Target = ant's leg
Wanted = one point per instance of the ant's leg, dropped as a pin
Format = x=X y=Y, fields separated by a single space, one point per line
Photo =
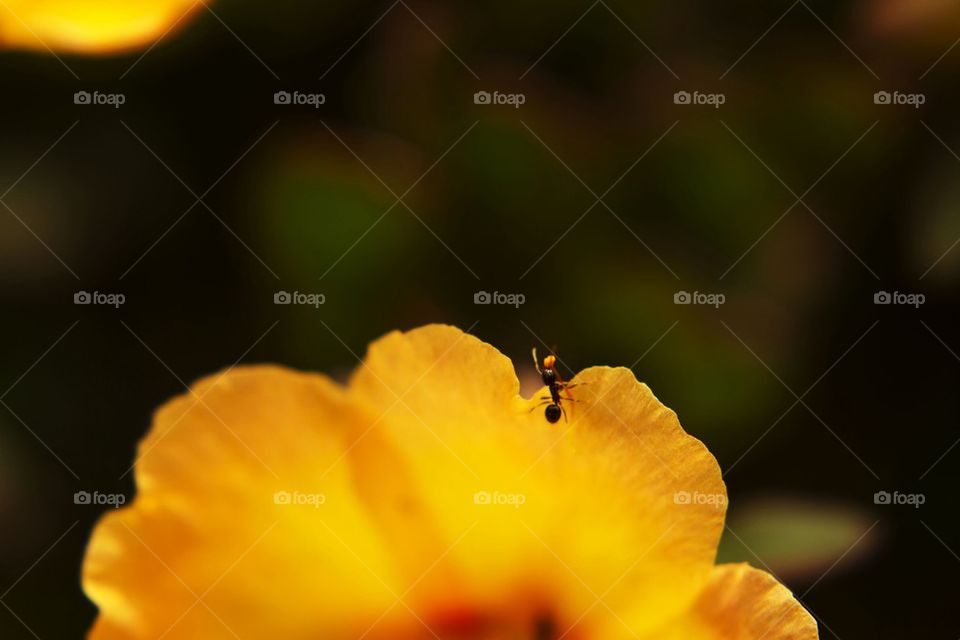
x=567 y=395
x=571 y=400
x=547 y=401
x=566 y=391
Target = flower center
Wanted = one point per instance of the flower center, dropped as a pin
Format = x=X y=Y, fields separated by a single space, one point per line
x=471 y=624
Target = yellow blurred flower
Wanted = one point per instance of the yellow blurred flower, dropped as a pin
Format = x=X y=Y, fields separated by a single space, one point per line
x=89 y=26
x=424 y=500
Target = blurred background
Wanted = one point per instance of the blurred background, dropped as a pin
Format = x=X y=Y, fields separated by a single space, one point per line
x=779 y=167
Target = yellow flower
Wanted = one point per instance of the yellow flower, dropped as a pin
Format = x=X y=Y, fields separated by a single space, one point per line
x=424 y=500
x=89 y=26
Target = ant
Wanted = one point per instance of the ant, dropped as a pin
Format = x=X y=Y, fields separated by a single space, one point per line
x=555 y=384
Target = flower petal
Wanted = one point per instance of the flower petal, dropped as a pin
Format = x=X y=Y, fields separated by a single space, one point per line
x=743 y=603
x=246 y=521
x=89 y=25
x=582 y=510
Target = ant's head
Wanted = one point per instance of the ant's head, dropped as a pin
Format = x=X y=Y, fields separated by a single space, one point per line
x=549 y=376
x=547 y=371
